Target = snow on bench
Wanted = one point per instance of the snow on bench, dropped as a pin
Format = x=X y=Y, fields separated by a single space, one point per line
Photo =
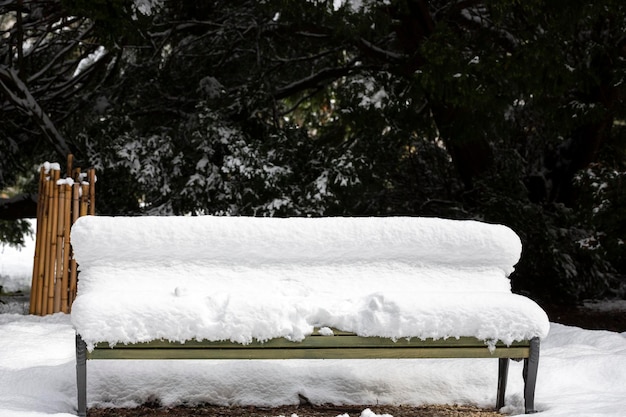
x=253 y=281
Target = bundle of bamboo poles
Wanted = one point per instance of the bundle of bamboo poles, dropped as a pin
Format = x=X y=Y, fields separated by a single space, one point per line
x=61 y=201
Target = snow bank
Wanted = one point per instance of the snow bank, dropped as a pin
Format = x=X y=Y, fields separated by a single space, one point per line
x=239 y=279
x=582 y=373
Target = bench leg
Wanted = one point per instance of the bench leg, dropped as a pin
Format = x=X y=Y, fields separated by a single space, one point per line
x=531 y=364
x=81 y=376
x=503 y=373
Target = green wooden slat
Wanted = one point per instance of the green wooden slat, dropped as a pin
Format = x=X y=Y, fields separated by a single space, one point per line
x=342 y=345
x=317 y=353
x=315 y=341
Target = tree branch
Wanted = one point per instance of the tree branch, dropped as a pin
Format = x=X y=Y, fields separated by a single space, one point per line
x=383 y=53
x=316 y=80
x=18 y=93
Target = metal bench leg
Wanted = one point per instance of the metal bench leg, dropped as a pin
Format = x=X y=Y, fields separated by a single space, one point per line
x=531 y=364
x=503 y=373
x=81 y=376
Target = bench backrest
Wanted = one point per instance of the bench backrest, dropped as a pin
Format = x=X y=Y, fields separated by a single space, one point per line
x=427 y=241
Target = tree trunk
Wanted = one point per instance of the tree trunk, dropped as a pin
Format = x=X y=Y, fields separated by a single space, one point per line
x=471 y=154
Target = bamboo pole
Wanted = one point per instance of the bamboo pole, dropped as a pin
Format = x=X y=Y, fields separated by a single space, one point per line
x=37 y=282
x=76 y=196
x=75 y=213
x=84 y=199
x=69 y=165
x=65 y=300
x=60 y=204
x=46 y=237
x=91 y=176
x=44 y=246
x=59 y=235
x=52 y=242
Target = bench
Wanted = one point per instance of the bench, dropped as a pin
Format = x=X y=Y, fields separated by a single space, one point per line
x=301 y=288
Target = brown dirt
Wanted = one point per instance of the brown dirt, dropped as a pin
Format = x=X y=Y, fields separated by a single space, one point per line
x=301 y=411
x=583 y=317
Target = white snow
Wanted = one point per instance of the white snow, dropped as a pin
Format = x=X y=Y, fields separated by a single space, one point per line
x=51 y=166
x=243 y=278
x=89 y=60
x=582 y=373
x=613 y=305
x=146 y=7
x=16 y=265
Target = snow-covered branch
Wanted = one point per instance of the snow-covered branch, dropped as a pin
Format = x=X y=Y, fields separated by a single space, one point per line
x=61 y=54
x=478 y=16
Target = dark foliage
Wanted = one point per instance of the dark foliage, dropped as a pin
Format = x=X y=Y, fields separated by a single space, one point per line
x=503 y=111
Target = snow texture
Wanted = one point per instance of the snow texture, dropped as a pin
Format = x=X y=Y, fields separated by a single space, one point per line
x=16 y=264
x=582 y=373
x=147 y=7
x=243 y=278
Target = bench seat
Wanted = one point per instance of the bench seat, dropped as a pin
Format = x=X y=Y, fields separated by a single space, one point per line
x=244 y=318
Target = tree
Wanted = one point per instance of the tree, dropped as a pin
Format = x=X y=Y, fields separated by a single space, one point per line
x=43 y=80
x=494 y=111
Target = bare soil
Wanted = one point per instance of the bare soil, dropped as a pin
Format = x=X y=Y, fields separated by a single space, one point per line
x=301 y=411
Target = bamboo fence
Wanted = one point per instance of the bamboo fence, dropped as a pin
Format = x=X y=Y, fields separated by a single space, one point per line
x=61 y=201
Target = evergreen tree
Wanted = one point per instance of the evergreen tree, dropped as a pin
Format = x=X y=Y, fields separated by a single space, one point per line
x=500 y=111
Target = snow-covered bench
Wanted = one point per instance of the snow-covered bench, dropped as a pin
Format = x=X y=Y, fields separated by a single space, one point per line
x=269 y=288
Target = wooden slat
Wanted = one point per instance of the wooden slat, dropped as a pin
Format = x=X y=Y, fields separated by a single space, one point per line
x=315 y=341
x=343 y=346
x=309 y=353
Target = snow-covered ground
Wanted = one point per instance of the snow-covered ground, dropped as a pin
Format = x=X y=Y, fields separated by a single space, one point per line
x=581 y=373
x=16 y=266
